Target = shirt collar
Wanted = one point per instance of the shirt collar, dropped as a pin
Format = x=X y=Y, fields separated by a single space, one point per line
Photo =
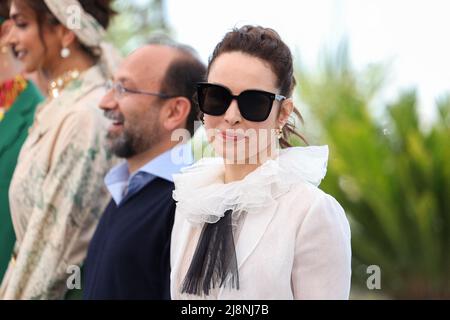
x=170 y=162
x=163 y=166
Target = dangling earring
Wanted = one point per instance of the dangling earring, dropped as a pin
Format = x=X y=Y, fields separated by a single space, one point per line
x=65 y=53
x=279 y=132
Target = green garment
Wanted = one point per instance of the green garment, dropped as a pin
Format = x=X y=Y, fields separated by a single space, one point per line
x=13 y=132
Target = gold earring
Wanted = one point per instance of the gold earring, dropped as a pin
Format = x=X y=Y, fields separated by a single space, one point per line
x=279 y=132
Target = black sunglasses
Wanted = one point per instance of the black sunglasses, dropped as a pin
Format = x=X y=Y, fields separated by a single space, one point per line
x=254 y=105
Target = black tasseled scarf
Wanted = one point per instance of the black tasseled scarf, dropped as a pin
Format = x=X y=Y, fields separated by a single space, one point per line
x=214 y=264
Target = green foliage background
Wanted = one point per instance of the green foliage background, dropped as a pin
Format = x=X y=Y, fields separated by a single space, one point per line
x=393 y=179
x=136 y=22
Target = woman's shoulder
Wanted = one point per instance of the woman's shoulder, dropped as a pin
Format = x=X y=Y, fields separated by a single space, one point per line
x=84 y=117
x=89 y=91
x=311 y=194
x=86 y=96
x=312 y=206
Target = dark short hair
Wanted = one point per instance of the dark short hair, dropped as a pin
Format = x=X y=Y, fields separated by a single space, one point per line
x=182 y=76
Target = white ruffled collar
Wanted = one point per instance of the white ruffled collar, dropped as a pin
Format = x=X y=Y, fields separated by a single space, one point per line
x=202 y=196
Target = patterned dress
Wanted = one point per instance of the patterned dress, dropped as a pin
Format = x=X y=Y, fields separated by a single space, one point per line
x=57 y=193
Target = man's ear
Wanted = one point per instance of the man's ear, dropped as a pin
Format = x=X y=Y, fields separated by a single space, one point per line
x=286 y=108
x=175 y=113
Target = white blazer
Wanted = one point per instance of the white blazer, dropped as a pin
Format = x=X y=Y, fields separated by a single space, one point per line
x=295 y=239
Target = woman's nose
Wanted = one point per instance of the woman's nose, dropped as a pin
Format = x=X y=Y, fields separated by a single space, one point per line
x=9 y=37
x=233 y=115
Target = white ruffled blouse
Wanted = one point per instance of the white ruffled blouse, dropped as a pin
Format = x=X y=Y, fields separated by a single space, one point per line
x=294 y=236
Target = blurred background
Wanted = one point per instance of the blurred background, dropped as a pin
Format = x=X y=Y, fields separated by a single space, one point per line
x=373 y=83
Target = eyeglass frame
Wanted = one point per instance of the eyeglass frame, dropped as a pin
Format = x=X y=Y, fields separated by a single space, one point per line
x=120 y=90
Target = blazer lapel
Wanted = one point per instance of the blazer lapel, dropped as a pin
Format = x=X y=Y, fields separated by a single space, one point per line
x=255 y=225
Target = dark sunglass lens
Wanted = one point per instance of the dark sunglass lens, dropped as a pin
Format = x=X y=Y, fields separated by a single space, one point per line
x=255 y=106
x=213 y=100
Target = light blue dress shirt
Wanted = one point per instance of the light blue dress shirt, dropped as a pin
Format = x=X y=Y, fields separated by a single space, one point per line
x=122 y=185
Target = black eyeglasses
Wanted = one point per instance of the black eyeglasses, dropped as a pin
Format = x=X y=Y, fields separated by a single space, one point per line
x=254 y=105
x=120 y=91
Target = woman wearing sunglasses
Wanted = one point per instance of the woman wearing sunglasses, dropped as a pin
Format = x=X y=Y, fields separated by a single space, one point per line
x=56 y=194
x=251 y=223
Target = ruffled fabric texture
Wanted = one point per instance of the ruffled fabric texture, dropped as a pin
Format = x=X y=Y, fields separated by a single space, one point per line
x=202 y=196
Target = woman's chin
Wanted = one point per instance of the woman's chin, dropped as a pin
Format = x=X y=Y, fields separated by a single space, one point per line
x=29 y=67
x=233 y=156
x=247 y=151
x=31 y=64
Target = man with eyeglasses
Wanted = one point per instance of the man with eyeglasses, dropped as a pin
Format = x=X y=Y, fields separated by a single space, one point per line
x=149 y=99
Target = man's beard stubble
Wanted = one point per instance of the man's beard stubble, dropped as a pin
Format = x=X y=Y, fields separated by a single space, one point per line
x=133 y=140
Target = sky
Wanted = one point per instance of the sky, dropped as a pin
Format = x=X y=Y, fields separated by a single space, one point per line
x=413 y=36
